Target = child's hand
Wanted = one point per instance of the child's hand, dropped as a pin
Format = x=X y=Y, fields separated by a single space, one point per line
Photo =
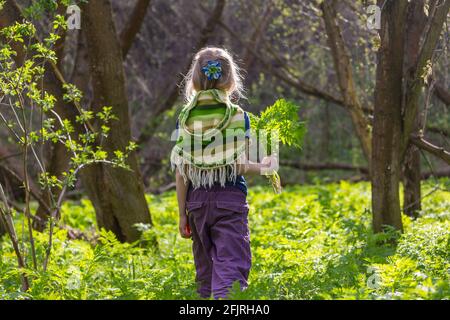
x=269 y=164
x=185 y=230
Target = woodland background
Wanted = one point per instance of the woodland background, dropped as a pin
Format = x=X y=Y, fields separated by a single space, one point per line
x=375 y=103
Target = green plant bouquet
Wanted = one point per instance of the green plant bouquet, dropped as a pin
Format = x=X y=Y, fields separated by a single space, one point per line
x=279 y=121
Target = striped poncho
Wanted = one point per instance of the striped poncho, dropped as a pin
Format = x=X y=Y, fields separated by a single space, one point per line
x=211 y=139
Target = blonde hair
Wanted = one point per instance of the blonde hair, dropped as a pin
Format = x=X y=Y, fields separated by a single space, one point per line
x=230 y=81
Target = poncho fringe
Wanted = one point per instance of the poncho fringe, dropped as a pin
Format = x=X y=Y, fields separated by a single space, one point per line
x=204 y=177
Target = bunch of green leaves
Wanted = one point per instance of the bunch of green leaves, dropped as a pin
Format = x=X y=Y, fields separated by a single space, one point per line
x=281 y=122
x=283 y=118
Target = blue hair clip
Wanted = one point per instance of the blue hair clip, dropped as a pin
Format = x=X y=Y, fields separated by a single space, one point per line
x=213 y=70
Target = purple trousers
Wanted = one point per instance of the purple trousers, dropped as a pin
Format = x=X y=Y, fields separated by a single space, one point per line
x=221 y=241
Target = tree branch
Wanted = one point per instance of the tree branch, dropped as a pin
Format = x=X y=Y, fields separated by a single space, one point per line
x=299 y=84
x=34 y=191
x=323 y=166
x=437 y=174
x=443 y=131
x=133 y=26
x=439 y=152
x=344 y=72
x=430 y=37
x=442 y=94
x=431 y=34
x=258 y=34
x=349 y=167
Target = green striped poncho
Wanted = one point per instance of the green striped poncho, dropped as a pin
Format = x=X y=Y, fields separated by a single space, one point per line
x=211 y=139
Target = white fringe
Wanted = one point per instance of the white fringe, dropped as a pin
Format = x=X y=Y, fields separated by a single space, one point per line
x=200 y=177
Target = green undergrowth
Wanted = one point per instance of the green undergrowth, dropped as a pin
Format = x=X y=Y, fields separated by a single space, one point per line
x=310 y=242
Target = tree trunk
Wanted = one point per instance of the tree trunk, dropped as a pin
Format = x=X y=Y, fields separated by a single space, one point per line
x=407 y=46
x=2 y=228
x=438 y=152
x=414 y=77
x=416 y=21
x=387 y=122
x=411 y=182
x=117 y=194
x=59 y=156
x=344 y=72
x=133 y=26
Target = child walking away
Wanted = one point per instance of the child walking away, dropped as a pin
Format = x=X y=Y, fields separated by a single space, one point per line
x=211 y=157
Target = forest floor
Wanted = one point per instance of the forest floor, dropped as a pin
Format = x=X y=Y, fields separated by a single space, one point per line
x=310 y=242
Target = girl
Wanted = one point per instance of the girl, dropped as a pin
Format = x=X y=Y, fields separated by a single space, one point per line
x=211 y=156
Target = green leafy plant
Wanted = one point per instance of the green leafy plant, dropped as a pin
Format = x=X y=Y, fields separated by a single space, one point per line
x=310 y=242
x=279 y=121
x=283 y=118
x=28 y=113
